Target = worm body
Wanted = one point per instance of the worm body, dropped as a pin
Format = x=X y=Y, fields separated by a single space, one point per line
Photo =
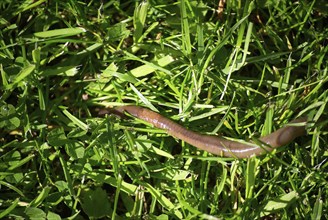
x=214 y=144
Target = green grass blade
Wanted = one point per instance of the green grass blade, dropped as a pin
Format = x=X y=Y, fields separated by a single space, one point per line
x=60 y=32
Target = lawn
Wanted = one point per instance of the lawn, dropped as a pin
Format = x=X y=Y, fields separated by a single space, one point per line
x=239 y=69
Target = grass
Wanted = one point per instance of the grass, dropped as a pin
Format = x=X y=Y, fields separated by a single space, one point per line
x=242 y=74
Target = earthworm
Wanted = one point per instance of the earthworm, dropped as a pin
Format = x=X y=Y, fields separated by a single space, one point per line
x=215 y=144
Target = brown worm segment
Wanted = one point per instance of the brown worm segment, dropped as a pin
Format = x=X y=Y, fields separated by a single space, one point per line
x=214 y=144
